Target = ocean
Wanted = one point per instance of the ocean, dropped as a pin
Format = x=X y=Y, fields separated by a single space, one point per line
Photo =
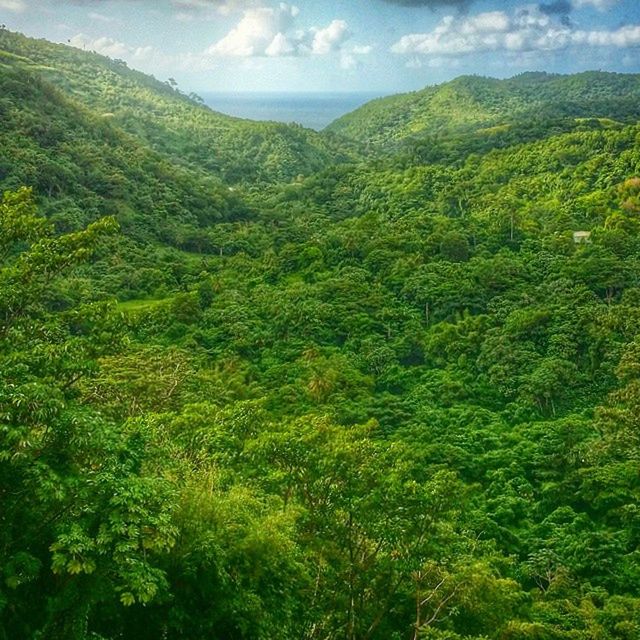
x=312 y=110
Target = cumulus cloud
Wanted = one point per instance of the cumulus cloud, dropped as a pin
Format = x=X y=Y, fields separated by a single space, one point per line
x=351 y=59
x=432 y=63
x=628 y=36
x=260 y=30
x=280 y=46
x=526 y=29
x=348 y=62
x=13 y=5
x=331 y=38
x=272 y=32
x=146 y=57
x=103 y=45
x=485 y=31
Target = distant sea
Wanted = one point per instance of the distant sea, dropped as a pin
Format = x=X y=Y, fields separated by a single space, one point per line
x=313 y=110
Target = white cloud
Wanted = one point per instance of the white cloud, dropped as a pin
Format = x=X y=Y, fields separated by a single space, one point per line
x=433 y=63
x=458 y=36
x=350 y=59
x=623 y=37
x=272 y=32
x=489 y=22
x=105 y=46
x=146 y=58
x=602 y=5
x=330 y=38
x=99 y=17
x=116 y=49
x=281 y=46
x=260 y=30
x=348 y=62
x=526 y=29
x=13 y=5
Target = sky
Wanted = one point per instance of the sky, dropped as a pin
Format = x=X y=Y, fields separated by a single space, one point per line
x=381 y=46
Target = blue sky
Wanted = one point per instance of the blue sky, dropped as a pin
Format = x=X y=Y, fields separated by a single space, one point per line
x=344 y=45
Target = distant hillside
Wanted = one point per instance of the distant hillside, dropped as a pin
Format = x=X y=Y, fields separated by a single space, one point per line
x=487 y=106
x=84 y=167
x=239 y=151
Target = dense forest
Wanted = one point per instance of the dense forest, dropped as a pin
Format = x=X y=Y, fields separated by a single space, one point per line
x=261 y=383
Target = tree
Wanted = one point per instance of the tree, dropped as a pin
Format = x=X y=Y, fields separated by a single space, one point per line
x=80 y=520
x=366 y=532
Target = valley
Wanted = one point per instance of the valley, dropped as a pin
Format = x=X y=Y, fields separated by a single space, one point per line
x=268 y=383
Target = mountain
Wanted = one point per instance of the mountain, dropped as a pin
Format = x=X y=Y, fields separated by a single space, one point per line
x=83 y=166
x=472 y=105
x=157 y=114
x=93 y=138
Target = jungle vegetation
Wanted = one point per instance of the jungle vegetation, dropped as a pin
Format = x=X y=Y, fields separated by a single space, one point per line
x=364 y=384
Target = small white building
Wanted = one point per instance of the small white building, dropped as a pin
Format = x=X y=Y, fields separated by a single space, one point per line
x=581 y=237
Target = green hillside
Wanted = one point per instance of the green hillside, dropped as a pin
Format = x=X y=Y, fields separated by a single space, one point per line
x=81 y=167
x=396 y=399
x=238 y=151
x=483 y=105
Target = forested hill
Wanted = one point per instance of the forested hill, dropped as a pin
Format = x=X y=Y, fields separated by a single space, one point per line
x=158 y=114
x=487 y=106
x=82 y=167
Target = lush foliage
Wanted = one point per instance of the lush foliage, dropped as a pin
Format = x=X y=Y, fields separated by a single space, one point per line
x=487 y=107
x=396 y=399
x=159 y=115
